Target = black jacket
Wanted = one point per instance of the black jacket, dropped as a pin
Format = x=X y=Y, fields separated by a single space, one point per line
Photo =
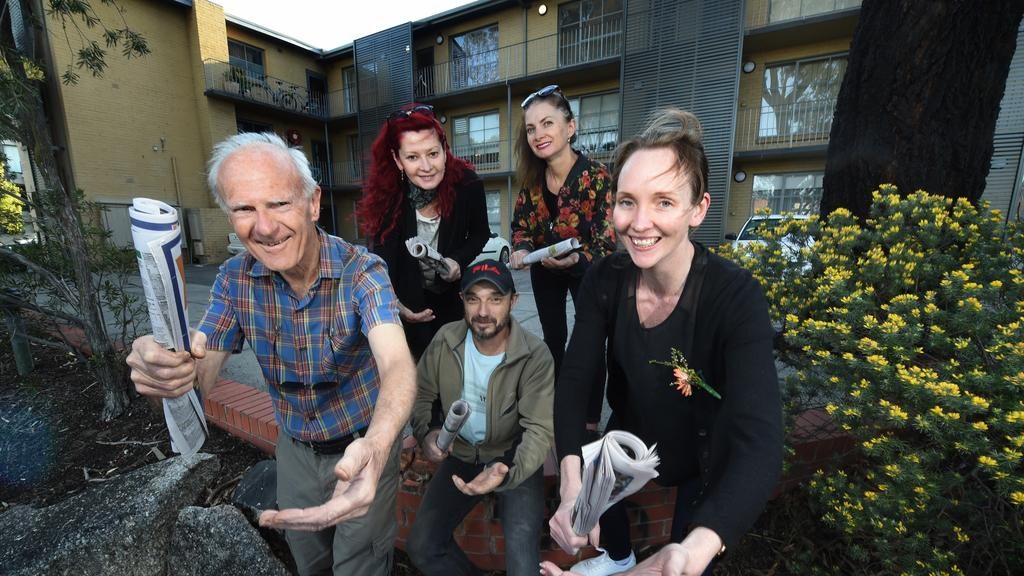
x=461 y=236
x=735 y=444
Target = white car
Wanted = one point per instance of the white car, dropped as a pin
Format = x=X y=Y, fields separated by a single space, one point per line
x=755 y=227
x=497 y=248
x=234 y=244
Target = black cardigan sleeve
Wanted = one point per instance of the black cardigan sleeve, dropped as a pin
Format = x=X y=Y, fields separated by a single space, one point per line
x=468 y=241
x=746 y=435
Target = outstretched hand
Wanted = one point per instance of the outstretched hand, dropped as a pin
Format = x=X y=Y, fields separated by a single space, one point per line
x=358 y=473
x=486 y=481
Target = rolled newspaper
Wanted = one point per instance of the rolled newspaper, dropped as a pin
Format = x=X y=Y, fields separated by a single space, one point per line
x=422 y=251
x=555 y=251
x=617 y=465
x=156 y=236
x=458 y=414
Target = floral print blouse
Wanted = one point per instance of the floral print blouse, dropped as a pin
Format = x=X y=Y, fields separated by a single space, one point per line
x=584 y=212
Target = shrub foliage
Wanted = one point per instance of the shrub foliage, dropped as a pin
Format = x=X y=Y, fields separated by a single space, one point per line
x=909 y=328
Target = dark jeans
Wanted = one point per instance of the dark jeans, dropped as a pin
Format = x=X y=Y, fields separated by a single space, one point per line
x=550 y=288
x=615 y=523
x=432 y=547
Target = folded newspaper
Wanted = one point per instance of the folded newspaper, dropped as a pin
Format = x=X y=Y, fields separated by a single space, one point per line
x=156 y=235
x=422 y=251
x=617 y=465
x=554 y=251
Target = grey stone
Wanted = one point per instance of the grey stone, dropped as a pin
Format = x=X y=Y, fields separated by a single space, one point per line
x=219 y=541
x=257 y=490
x=120 y=527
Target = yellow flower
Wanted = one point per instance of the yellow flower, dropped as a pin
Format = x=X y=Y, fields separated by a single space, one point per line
x=1017 y=498
x=981 y=426
x=987 y=461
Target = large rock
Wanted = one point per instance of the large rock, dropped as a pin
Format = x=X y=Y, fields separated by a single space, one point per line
x=219 y=542
x=121 y=527
x=257 y=491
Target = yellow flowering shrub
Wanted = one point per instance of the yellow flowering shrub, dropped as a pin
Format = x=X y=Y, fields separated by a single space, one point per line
x=909 y=329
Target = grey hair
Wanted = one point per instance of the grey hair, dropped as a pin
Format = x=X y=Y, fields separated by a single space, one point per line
x=233 y=144
x=676 y=130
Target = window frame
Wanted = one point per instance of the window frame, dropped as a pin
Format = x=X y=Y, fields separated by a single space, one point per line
x=795 y=112
x=604 y=148
x=777 y=204
x=463 y=66
x=257 y=72
x=484 y=155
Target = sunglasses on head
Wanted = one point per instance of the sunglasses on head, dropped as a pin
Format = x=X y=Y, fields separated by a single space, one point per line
x=406 y=112
x=543 y=92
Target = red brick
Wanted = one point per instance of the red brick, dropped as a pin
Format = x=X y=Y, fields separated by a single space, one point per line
x=474 y=545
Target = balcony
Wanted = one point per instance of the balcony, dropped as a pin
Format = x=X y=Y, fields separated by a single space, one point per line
x=340 y=173
x=762 y=13
x=237 y=84
x=342 y=102
x=795 y=125
x=486 y=157
x=521 y=60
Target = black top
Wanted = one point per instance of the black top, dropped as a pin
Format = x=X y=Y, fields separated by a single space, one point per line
x=721 y=326
x=461 y=236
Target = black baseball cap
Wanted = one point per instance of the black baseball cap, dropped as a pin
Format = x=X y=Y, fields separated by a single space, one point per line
x=491 y=271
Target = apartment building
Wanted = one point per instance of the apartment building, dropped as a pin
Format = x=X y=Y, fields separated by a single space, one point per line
x=763 y=76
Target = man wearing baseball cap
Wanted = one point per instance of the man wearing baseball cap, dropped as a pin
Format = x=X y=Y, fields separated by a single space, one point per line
x=507 y=377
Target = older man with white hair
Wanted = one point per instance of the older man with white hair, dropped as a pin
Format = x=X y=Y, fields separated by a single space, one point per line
x=322 y=318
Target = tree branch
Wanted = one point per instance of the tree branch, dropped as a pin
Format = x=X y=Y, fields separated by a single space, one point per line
x=8 y=299
x=48 y=276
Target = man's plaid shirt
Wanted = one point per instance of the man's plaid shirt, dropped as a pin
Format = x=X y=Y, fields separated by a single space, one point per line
x=313 y=351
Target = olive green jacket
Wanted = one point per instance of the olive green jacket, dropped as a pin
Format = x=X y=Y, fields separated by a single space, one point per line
x=520 y=399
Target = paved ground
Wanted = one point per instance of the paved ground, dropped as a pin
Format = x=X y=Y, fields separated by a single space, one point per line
x=243 y=368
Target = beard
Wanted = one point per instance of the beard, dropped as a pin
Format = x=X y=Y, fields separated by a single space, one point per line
x=486 y=330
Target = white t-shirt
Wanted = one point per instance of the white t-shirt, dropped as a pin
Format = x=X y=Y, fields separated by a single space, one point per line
x=476 y=376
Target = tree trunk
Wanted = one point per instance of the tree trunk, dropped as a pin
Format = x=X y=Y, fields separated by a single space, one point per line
x=919 y=102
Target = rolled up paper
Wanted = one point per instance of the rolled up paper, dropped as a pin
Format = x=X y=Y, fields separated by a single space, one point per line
x=554 y=251
x=422 y=251
x=458 y=414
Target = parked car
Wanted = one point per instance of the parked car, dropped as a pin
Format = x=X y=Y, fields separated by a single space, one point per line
x=234 y=244
x=756 y=226
x=497 y=248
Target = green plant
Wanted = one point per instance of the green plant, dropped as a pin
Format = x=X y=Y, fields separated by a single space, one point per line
x=909 y=327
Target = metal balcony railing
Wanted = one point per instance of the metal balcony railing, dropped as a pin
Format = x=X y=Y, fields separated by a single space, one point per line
x=342 y=102
x=521 y=59
x=784 y=126
x=266 y=90
x=340 y=173
x=598 y=144
x=767 y=12
x=487 y=157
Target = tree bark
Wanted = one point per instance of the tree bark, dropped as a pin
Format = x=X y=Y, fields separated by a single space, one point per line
x=920 y=99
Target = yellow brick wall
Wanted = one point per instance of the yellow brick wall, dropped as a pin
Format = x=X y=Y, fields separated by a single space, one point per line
x=282 y=61
x=134 y=131
x=215 y=234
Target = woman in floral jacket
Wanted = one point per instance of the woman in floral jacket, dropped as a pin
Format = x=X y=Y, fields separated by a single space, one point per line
x=563 y=195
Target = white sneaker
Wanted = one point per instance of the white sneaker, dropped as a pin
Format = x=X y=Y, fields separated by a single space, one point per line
x=603 y=565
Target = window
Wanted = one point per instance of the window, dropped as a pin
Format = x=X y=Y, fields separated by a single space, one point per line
x=796 y=193
x=597 y=124
x=12 y=159
x=478 y=139
x=494 y=210
x=354 y=166
x=780 y=10
x=244 y=125
x=248 y=58
x=798 y=98
x=348 y=82
x=589 y=30
x=474 y=57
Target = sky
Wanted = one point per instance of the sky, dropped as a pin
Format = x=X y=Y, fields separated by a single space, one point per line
x=331 y=23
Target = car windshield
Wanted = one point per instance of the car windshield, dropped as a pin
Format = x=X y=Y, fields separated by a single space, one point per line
x=755 y=229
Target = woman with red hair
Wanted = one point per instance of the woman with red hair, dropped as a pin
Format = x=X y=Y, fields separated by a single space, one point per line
x=418 y=189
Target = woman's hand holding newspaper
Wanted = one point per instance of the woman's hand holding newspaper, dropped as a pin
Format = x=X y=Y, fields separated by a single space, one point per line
x=561 y=522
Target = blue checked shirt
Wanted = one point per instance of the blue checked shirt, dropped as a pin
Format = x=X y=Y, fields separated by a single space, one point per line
x=313 y=351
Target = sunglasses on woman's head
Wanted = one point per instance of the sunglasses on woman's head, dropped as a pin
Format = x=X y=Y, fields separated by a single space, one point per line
x=543 y=92
x=406 y=112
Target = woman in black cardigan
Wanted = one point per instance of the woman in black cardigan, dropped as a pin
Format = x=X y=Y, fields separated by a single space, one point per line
x=689 y=350
x=418 y=189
